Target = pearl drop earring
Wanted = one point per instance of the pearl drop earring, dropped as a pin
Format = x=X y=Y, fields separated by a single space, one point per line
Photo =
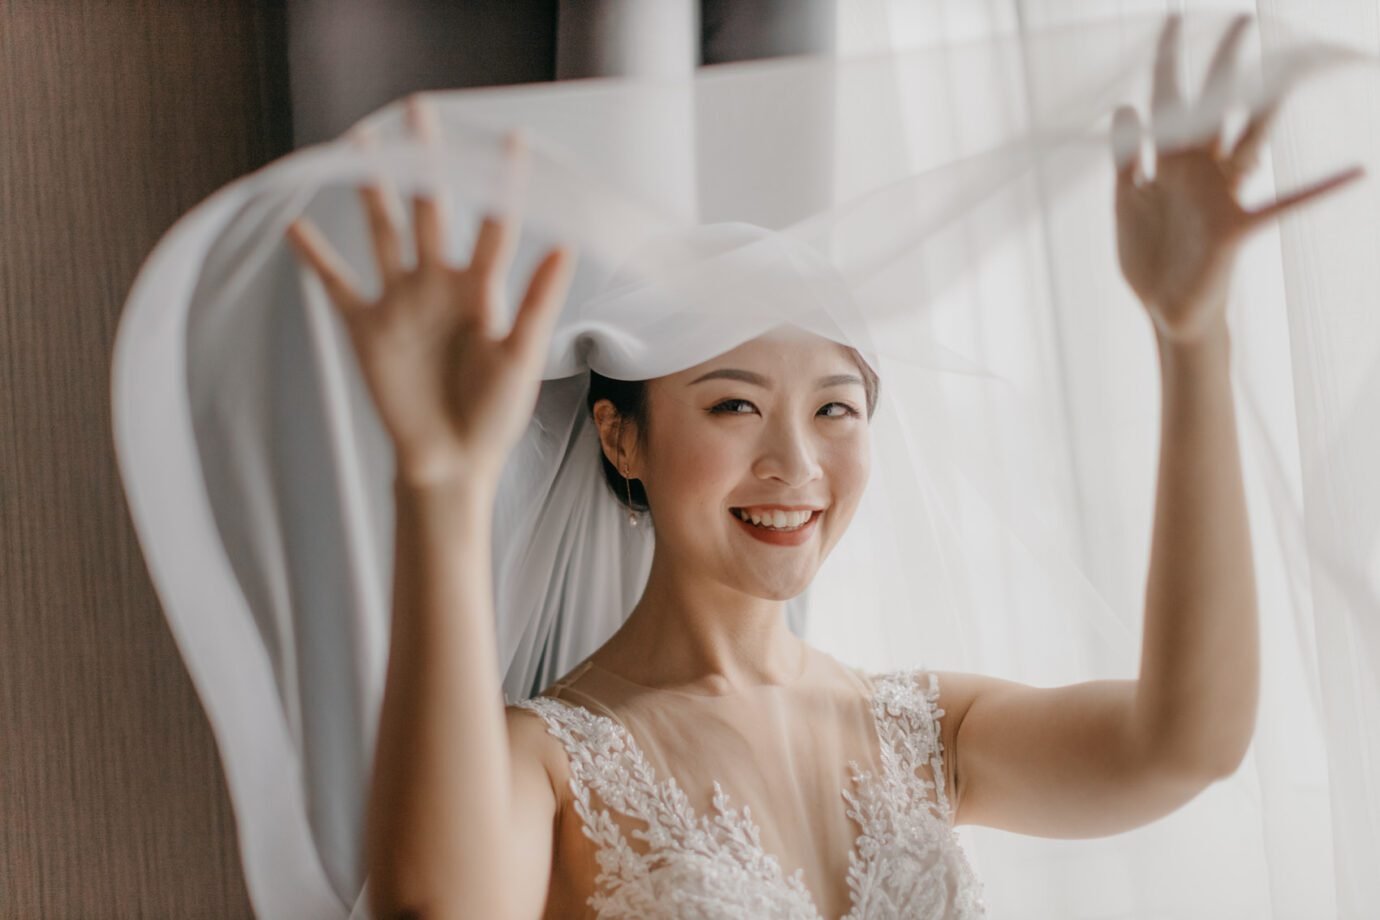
x=632 y=517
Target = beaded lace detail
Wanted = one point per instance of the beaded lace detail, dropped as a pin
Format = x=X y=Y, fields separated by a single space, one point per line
x=906 y=860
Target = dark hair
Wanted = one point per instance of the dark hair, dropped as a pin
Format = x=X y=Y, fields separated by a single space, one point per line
x=629 y=398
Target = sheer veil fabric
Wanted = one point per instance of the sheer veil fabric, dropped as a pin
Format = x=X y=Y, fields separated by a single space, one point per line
x=942 y=202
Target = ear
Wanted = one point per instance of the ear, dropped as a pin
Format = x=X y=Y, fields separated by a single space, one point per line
x=620 y=447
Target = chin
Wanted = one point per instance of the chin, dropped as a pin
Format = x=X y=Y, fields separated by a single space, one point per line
x=774 y=579
x=779 y=590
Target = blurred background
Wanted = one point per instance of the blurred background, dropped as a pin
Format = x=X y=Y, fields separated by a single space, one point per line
x=118 y=117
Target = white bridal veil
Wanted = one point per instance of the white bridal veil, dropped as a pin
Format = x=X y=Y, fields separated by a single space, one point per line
x=941 y=201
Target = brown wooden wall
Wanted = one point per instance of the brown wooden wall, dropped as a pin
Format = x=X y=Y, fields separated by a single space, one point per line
x=116 y=116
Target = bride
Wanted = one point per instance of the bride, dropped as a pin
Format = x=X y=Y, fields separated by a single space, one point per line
x=704 y=761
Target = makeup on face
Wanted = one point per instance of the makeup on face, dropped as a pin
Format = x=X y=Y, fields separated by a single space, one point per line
x=778 y=525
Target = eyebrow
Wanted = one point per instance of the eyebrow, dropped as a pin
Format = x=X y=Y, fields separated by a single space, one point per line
x=731 y=373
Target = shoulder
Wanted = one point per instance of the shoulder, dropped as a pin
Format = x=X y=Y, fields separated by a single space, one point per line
x=945 y=697
x=950 y=693
x=956 y=693
x=533 y=748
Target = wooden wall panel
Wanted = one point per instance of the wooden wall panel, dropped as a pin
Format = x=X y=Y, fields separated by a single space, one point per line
x=115 y=118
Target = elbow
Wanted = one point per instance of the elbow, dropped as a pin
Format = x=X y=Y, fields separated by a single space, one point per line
x=386 y=903
x=406 y=913
x=1201 y=749
x=389 y=900
x=1208 y=767
x=399 y=885
x=386 y=907
x=1225 y=767
x=1192 y=766
x=393 y=897
x=1225 y=758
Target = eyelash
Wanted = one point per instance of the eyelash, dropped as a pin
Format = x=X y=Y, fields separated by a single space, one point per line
x=719 y=409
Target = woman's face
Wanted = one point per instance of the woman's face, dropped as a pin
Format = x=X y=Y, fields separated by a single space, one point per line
x=778 y=424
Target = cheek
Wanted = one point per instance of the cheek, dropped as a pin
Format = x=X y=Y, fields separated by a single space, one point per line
x=703 y=465
x=694 y=468
x=848 y=466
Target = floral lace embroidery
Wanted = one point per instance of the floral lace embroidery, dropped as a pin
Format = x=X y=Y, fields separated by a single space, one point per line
x=905 y=861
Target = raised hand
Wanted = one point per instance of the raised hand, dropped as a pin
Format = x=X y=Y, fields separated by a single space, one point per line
x=1177 y=234
x=453 y=397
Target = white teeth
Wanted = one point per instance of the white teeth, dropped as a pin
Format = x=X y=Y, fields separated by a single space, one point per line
x=775 y=519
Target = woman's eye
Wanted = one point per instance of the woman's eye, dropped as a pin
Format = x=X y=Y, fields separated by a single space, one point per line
x=733 y=407
x=848 y=411
x=722 y=408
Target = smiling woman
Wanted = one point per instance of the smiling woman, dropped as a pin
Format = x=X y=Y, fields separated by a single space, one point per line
x=776 y=423
x=683 y=736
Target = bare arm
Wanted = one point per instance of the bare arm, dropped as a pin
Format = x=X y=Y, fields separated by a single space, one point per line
x=459 y=824
x=1200 y=659
x=1101 y=757
x=461 y=803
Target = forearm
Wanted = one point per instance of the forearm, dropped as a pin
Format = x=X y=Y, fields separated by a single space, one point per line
x=1199 y=682
x=439 y=794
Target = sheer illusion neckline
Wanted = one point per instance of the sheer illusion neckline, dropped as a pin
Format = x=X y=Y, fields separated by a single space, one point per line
x=791 y=682
x=904 y=859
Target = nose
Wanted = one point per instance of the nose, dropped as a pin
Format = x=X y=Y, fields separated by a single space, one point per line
x=788 y=453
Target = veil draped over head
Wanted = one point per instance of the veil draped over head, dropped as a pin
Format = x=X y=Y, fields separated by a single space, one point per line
x=946 y=209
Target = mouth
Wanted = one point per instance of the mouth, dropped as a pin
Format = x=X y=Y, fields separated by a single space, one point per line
x=793 y=530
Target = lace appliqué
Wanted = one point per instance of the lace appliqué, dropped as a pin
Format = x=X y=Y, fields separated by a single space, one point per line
x=706 y=867
x=905 y=861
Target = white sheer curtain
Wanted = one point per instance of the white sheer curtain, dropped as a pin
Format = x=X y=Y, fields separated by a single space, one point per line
x=1296 y=833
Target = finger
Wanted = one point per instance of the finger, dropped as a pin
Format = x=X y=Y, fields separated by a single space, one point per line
x=426 y=210
x=335 y=275
x=1245 y=153
x=1280 y=80
x=1166 y=99
x=1127 y=136
x=378 y=200
x=542 y=303
x=1305 y=195
x=498 y=236
x=1217 y=86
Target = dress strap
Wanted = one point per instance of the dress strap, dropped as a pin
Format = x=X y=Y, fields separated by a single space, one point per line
x=590 y=733
x=907 y=717
x=558 y=688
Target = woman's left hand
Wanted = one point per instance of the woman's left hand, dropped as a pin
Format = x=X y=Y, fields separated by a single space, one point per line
x=1177 y=234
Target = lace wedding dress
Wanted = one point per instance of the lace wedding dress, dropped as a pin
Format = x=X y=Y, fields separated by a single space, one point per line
x=824 y=796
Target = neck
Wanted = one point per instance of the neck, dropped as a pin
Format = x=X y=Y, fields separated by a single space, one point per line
x=692 y=631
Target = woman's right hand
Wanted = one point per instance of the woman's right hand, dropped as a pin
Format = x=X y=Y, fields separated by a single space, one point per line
x=453 y=397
